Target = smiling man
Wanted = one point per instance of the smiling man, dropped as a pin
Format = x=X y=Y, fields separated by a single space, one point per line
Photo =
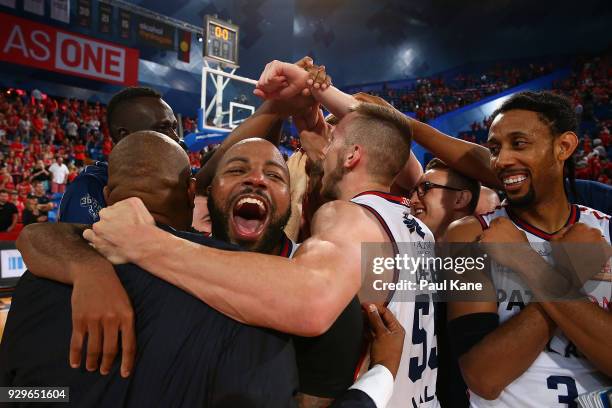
x=545 y=353
x=442 y=196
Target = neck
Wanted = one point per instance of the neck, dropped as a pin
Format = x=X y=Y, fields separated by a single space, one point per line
x=351 y=185
x=440 y=232
x=176 y=222
x=548 y=214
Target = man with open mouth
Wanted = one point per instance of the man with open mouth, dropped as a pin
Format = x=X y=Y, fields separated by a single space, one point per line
x=303 y=295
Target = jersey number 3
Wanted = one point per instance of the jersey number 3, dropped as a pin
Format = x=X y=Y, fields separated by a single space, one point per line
x=553 y=382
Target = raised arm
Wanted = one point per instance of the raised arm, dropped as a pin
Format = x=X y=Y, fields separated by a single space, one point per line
x=468 y=158
x=265 y=123
x=261 y=124
x=303 y=295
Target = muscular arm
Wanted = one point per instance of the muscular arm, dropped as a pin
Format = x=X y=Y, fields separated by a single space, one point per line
x=588 y=326
x=410 y=174
x=57 y=251
x=498 y=359
x=303 y=295
x=583 y=322
x=467 y=158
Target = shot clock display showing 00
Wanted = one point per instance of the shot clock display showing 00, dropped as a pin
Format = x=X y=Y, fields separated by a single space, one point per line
x=221 y=41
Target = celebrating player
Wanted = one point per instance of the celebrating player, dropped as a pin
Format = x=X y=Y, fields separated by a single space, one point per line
x=305 y=294
x=544 y=353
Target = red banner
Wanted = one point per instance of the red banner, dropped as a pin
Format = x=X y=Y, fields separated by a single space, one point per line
x=41 y=46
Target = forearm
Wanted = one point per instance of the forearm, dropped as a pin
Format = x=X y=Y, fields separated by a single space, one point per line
x=265 y=123
x=468 y=158
x=507 y=352
x=588 y=326
x=275 y=292
x=55 y=251
x=410 y=174
x=335 y=101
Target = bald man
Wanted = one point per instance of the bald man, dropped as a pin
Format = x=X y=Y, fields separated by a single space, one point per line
x=201 y=359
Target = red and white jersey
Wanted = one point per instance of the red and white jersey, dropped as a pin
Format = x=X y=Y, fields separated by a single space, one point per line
x=415 y=383
x=560 y=373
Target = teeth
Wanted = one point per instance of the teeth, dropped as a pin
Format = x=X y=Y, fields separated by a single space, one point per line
x=514 y=180
x=418 y=211
x=251 y=200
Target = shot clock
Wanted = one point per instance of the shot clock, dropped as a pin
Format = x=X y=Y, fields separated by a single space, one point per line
x=221 y=41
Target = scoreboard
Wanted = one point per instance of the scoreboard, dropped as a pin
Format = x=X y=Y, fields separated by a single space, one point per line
x=221 y=41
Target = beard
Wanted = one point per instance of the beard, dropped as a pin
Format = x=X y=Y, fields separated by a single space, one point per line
x=525 y=200
x=267 y=242
x=329 y=185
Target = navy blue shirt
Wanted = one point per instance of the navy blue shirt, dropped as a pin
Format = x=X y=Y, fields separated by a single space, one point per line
x=593 y=194
x=84 y=197
x=188 y=354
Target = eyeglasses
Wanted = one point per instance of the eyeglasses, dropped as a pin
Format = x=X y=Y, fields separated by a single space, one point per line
x=425 y=186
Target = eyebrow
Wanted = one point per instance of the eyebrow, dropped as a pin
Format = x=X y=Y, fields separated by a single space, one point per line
x=517 y=133
x=238 y=158
x=273 y=163
x=267 y=163
x=165 y=122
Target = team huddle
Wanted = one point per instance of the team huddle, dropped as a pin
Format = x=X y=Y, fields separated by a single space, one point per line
x=245 y=286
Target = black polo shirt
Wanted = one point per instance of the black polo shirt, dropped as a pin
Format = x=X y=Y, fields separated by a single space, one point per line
x=188 y=354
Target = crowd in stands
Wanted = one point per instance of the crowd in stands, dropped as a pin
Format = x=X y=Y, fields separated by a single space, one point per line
x=44 y=143
x=431 y=97
x=589 y=88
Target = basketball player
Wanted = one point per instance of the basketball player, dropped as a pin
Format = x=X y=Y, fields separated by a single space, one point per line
x=517 y=353
x=305 y=294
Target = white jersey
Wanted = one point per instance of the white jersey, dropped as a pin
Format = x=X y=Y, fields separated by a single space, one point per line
x=560 y=373
x=415 y=383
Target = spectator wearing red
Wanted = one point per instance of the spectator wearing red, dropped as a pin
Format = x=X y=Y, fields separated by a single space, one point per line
x=107 y=146
x=5 y=178
x=24 y=188
x=17 y=146
x=73 y=173
x=38 y=124
x=79 y=153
